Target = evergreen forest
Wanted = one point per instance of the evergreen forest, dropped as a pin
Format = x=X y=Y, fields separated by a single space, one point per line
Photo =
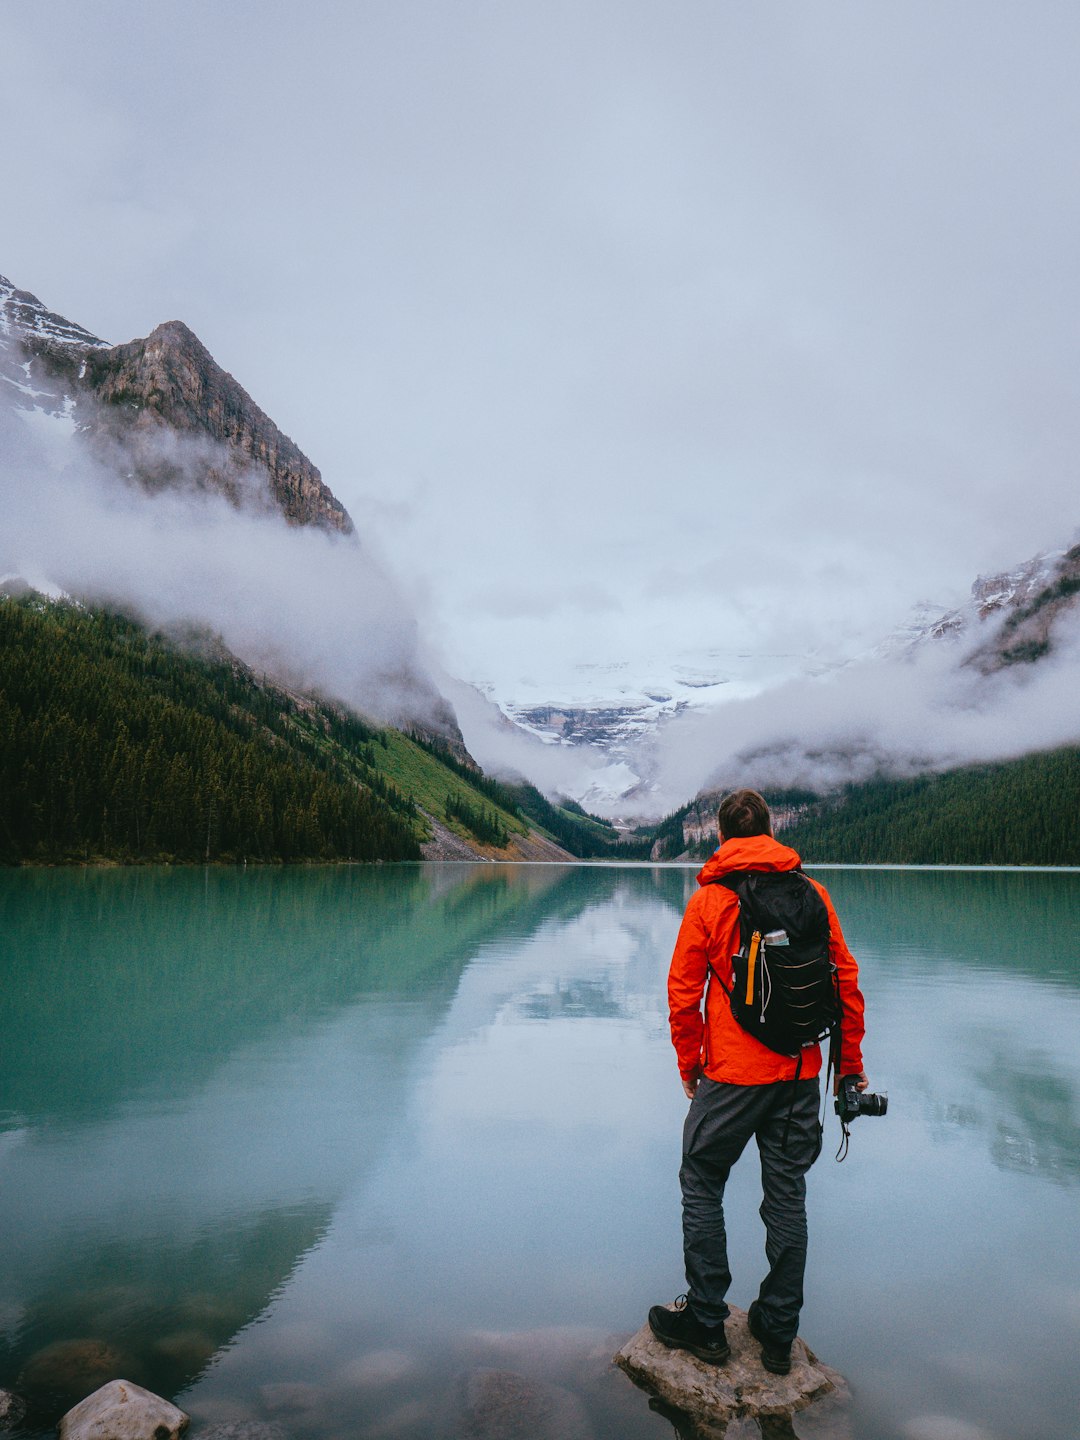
x=1017 y=812
x=113 y=744
x=117 y=744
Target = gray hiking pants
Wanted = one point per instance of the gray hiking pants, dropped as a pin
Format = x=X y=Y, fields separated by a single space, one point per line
x=722 y=1119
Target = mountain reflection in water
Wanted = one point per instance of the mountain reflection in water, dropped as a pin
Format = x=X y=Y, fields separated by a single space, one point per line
x=317 y=1145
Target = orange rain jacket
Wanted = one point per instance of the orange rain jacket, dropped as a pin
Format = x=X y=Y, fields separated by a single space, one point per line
x=708 y=937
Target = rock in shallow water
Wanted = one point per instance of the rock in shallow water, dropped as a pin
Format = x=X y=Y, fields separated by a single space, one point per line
x=122 y=1411
x=71 y=1367
x=712 y=1397
x=377 y=1370
x=241 y=1430
x=290 y=1397
x=501 y=1405
x=12 y=1410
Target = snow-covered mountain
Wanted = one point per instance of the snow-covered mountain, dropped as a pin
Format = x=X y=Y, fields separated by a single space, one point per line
x=1010 y=618
x=612 y=714
x=42 y=365
x=24 y=317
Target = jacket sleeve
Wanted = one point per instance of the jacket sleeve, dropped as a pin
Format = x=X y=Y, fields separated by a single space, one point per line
x=852 y=1024
x=686 y=986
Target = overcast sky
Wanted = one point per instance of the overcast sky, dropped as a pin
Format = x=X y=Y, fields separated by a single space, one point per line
x=633 y=331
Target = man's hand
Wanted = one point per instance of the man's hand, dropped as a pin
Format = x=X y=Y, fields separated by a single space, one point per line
x=690 y=1086
x=861 y=1083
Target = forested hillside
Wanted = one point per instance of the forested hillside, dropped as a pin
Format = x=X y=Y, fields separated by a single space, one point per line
x=116 y=744
x=1020 y=812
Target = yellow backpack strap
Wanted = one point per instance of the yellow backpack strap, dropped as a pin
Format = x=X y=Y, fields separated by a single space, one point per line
x=751 y=962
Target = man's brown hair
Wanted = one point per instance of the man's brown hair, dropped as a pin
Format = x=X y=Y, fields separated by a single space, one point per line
x=742 y=813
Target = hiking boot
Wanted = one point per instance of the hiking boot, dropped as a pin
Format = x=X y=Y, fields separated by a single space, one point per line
x=680 y=1329
x=775 y=1354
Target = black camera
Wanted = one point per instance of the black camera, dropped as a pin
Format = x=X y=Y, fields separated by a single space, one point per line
x=851 y=1101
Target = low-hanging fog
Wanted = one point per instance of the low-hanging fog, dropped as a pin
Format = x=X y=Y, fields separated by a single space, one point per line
x=926 y=710
x=314 y=609
x=323 y=612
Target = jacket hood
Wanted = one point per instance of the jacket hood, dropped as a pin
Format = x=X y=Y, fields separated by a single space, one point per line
x=750 y=852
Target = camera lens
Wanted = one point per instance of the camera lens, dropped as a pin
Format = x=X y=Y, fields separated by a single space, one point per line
x=871 y=1104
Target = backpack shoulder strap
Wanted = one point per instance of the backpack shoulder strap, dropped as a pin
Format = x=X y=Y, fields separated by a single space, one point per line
x=734 y=878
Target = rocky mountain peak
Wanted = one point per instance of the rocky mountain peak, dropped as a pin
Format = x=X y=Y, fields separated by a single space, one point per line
x=160 y=411
x=170 y=384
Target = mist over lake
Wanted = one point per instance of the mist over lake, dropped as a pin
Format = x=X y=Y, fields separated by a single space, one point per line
x=363 y=1132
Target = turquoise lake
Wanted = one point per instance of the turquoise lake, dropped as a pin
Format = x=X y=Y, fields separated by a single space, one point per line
x=317 y=1145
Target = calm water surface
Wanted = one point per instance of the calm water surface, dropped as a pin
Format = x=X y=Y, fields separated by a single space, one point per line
x=317 y=1145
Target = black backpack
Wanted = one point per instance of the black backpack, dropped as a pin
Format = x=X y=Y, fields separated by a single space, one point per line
x=784 y=989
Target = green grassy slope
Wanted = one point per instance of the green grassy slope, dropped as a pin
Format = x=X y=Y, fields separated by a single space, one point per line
x=418 y=770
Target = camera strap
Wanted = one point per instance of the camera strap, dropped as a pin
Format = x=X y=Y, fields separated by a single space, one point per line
x=842 y=1148
x=833 y=1068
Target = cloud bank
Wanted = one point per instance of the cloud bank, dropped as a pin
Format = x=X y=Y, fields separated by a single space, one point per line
x=620 y=291
x=322 y=612
x=313 y=609
x=925 y=710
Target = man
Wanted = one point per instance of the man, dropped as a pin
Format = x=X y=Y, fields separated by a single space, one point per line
x=739 y=1088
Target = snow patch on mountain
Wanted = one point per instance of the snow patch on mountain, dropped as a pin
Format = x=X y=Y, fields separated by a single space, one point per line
x=23 y=314
x=991 y=596
x=609 y=714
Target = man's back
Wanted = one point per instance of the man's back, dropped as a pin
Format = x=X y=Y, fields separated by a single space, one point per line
x=708 y=938
x=740 y=1089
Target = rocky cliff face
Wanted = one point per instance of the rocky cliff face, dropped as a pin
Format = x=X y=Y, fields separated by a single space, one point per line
x=160 y=411
x=158 y=393
x=1018 y=614
x=1033 y=614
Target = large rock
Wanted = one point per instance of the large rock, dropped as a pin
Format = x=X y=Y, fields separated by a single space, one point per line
x=716 y=1400
x=123 y=1411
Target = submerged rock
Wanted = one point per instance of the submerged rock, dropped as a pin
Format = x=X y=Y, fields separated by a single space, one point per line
x=12 y=1410
x=241 y=1430
x=501 y=1405
x=377 y=1370
x=71 y=1367
x=713 y=1401
x=123 y=1411
x=290 y=1397
x=189 y=1348
x=561 y=1353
